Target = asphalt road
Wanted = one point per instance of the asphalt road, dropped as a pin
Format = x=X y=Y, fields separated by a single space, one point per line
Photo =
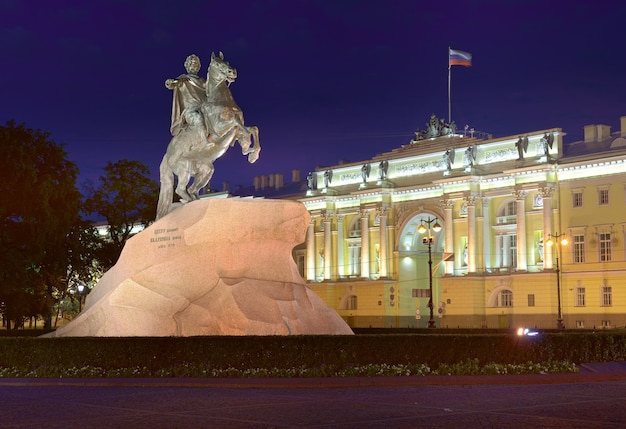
x=591 y=399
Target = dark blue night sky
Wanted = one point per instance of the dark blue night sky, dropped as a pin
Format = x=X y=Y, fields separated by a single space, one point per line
x=323 y=80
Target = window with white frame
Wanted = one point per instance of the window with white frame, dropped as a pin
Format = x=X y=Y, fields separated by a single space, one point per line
x=603 y=196
x=606 y=324
x=607 y=296
x=354 y=260
x=507 y=250
x=577 y=198
x=513 y=250
x=604 y=241
x=580 y=324
x=505 y=298
x=580 y=297
x=507 y=213
x=579 y=248
x=511 y=209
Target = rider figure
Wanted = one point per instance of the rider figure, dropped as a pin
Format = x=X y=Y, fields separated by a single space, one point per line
x=189 y=93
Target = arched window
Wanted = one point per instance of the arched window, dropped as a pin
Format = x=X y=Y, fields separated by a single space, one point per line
x=504 y=298
x=348 y=302
x=508 y=209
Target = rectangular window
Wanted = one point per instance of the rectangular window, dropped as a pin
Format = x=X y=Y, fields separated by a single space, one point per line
x=603 y=197
x=577 y=198
x=606 y=324
x=531 y=300
x=580 y=297
x=506 y=298
x=580 y=324
x=579 y=248
x=421 y=293
x=352 y=303
x=607 y=296
x=513 y=250
x=605 y=246
x=354 y=260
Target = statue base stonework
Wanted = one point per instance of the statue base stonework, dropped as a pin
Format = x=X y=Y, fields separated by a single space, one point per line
x=211 y=267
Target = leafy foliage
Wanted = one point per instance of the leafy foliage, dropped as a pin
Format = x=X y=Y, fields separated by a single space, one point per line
x=307 y=356
x=39 y=205
x=126 y=197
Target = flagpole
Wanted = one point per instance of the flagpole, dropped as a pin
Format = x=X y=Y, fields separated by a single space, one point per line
x=449 y=106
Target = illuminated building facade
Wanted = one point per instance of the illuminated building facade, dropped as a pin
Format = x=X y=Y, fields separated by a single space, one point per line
x=498 y=202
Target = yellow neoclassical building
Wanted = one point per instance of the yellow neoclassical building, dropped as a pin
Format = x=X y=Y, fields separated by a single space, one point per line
x=472 y=217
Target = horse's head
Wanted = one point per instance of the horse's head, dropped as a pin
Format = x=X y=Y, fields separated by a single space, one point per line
x=220 y=70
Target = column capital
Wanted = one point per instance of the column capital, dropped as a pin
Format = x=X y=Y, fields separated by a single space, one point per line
x=446 y=203
x=470 y=200
x=546 y=191
x=520 y=194
x=327 y=215
x=364 y=212
x=383 y=210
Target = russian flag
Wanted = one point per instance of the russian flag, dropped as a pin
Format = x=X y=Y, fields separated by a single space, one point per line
x=460 y=58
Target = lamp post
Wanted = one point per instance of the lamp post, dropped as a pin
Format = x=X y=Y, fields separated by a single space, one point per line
x=558 y=240
x=81 y=288
x=428 y=240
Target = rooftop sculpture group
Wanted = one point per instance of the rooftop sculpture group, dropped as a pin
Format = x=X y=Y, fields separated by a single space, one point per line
x=435 y=127
x=206 y=121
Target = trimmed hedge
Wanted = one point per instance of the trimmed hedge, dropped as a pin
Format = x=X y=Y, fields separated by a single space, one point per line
x=432 y=349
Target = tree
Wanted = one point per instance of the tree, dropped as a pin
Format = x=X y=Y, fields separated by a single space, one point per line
x=83 y=249
x=39 y=206
x=126 y=198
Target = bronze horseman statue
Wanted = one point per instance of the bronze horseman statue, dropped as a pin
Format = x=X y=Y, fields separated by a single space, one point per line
x=206 y=121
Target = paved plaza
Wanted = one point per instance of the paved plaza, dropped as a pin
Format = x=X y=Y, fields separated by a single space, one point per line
x=590 y=399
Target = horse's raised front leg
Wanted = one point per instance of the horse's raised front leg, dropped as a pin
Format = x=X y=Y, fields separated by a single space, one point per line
x=253 y=154
x=248 y=138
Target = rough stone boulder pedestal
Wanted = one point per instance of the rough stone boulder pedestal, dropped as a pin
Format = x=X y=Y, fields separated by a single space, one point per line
x=210 y=267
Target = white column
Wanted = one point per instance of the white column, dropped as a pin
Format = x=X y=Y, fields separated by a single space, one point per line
x=383 y=243
x=470 y=201
x=546 y=194
x=365 y=244
x=328 y=242
x=448 y=245
x=341 y=269
x=310 y=251
x=521 y=230
x=486 y=235
x=499 y=247
x=506 y=248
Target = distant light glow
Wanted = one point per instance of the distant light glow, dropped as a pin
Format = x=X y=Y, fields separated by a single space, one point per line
x=525 y=332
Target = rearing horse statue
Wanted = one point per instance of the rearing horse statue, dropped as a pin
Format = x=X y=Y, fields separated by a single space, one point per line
x=211 y=127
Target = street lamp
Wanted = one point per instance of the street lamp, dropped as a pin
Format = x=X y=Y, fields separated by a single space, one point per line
x=559 y=240
x=428 y=240
x=81 y=288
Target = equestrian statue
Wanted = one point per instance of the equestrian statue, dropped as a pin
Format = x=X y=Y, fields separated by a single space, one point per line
x=206 y=121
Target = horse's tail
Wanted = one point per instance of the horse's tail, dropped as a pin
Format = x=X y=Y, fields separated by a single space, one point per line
x=166 y=194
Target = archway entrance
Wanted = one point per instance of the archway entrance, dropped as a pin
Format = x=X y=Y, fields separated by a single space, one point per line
x=414 y=279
